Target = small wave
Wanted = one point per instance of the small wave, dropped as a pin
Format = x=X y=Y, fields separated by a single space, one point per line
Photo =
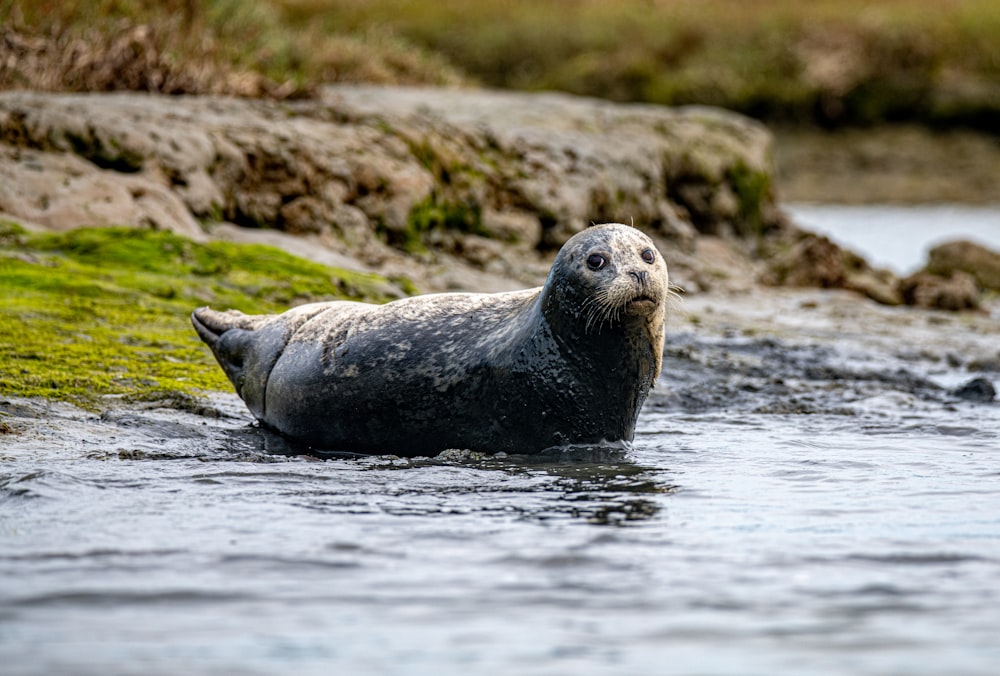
x=88 y=555
x=284 y=563
x=117 y=598
x=36 y=484
x=929 y=559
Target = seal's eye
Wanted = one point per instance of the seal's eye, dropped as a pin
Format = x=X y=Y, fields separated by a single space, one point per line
x=648 y=256
x=596 y=261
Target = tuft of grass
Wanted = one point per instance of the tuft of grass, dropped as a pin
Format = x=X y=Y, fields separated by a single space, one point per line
x=101 y=312
x=752 y=189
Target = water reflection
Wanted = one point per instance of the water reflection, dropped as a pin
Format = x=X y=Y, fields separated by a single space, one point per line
x=599 y=485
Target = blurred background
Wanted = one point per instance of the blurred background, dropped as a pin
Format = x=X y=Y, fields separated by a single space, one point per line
x=891 y=102
x=823 y=63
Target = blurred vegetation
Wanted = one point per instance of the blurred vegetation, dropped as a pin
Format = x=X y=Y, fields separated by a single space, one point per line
x=104 y=311
x=232 y=47
x=832 y=62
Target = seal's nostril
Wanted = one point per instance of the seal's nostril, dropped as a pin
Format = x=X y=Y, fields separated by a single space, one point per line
x=640 y=277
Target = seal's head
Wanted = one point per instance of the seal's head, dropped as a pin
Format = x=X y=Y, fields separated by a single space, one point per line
x=606 y=277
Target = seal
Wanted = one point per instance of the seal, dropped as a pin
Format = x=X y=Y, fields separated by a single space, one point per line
x=566 y=364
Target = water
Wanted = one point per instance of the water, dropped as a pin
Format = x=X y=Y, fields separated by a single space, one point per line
x=899 y=237
x=790 y=506
x=807 y=495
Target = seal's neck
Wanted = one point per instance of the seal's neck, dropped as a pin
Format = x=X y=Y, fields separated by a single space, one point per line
x=567 y=319
x=615 y=364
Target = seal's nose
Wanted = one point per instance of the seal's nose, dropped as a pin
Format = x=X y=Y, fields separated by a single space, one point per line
x=641 y=278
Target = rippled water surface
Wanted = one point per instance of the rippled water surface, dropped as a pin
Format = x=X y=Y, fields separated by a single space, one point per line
x=787 y=508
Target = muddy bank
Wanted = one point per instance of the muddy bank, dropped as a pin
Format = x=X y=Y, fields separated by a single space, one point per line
x=821 y=352
x=459 y=189
x=453 y=189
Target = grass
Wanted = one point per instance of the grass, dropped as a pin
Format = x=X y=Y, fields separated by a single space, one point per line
x=827 y=61
x=226 y=47
x=101 y=312
x=832 y=62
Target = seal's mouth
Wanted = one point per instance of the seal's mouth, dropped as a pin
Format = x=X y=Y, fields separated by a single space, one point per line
x=641 y=303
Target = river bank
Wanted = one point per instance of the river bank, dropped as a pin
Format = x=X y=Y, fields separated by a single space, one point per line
x=388 y=191
x=795 y=351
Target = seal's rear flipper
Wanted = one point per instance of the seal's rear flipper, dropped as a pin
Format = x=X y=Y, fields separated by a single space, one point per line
x=205 y=321
x=247 y=347
x=229 y=335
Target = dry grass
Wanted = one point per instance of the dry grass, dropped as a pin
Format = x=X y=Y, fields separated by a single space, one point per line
x=827 y=61
x=831 y=61
x=127 y=57
x=195 y=47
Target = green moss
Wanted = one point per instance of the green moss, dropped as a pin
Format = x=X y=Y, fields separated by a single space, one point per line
x=424 y=153
x=434 y=214
x=752 y=189
x=104 y=311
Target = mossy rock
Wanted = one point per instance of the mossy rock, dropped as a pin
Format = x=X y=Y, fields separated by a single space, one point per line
x=753 y=192
x=101 y=312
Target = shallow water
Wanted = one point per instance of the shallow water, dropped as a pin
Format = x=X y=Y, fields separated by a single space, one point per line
x=788 y=507
x=898 y=237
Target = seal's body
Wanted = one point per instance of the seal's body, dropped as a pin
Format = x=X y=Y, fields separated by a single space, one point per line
x=569 y=363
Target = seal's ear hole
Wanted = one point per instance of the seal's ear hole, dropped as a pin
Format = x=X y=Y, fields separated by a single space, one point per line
x=649 y=256
x=596 y=261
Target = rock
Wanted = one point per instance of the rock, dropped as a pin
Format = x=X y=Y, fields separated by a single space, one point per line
x=979 y=390
x=369 y=168
x=804 y=259
x=962 y=256
x=809 y=260
x=879 y=285
x=957 y=292
x=61 y=191
x=985 y=364
x=514 y=227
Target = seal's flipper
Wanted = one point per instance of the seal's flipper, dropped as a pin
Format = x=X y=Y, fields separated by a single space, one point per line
x=227 y=334
x=246 y=347
x=207 y=323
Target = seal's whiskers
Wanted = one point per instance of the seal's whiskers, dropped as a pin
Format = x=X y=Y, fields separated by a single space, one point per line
x=607 y=305
x=674 y=297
